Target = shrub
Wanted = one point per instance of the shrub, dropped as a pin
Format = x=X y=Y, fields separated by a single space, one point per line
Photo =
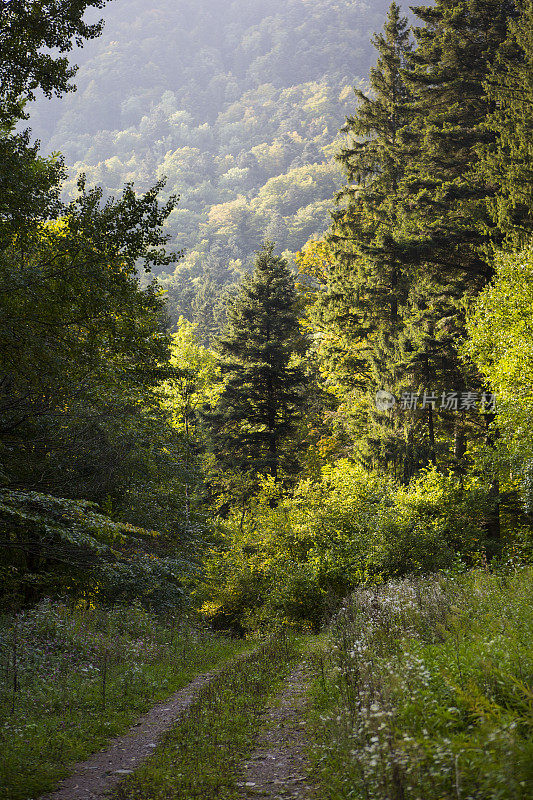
x=297 y=556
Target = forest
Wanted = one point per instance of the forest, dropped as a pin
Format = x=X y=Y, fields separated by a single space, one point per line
x=240 y=123
x=266 y=440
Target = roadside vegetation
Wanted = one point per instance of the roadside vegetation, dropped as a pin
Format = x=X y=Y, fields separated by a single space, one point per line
x=74 y=678
x=424 y=691
x=298 y=554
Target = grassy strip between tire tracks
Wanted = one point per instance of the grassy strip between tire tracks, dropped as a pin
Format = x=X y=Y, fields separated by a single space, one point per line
x=201 y=757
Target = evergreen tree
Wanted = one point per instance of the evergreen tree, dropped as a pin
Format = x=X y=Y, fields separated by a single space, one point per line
x=508 y=159
x=445 y=195
x=444 y=190
x=367 y=285
x=263 y=392
x=410 y=239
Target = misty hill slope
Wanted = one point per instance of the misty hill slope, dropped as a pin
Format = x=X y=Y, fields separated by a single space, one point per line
x=237 y=103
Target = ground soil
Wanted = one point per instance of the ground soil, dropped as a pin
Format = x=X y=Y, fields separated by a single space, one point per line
x=279 y=769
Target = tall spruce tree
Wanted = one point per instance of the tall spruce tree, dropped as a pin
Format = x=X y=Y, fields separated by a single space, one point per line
x=445 y=191
x=445 y=197
x=508 y=158
x=368 y=285
x=263 y=392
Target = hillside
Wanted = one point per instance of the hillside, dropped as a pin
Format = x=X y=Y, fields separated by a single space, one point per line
x=237 y=104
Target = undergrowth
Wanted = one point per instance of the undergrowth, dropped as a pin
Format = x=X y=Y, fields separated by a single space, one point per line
x=72 y=679
x=426 y=691
x=200 y=758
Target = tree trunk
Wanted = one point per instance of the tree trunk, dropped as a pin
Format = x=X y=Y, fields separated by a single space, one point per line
x=492 y=526
x=459 y=448
x=272 y=432
x=431 y=430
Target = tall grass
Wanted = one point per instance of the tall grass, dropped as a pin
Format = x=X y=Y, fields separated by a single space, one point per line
x=425 y=691
x=70 y=679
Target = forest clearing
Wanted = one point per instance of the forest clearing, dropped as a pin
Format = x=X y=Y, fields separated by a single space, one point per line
x=266 y=405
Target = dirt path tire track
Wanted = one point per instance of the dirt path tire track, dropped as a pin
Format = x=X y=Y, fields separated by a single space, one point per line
x=279 y=769
x=93 y=779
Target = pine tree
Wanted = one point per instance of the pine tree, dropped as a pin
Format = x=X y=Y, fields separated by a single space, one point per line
x=363 y=230
x=368 y=285
x=445 y=192
x=445 y=195
x=508 y=159
x=263 y=392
